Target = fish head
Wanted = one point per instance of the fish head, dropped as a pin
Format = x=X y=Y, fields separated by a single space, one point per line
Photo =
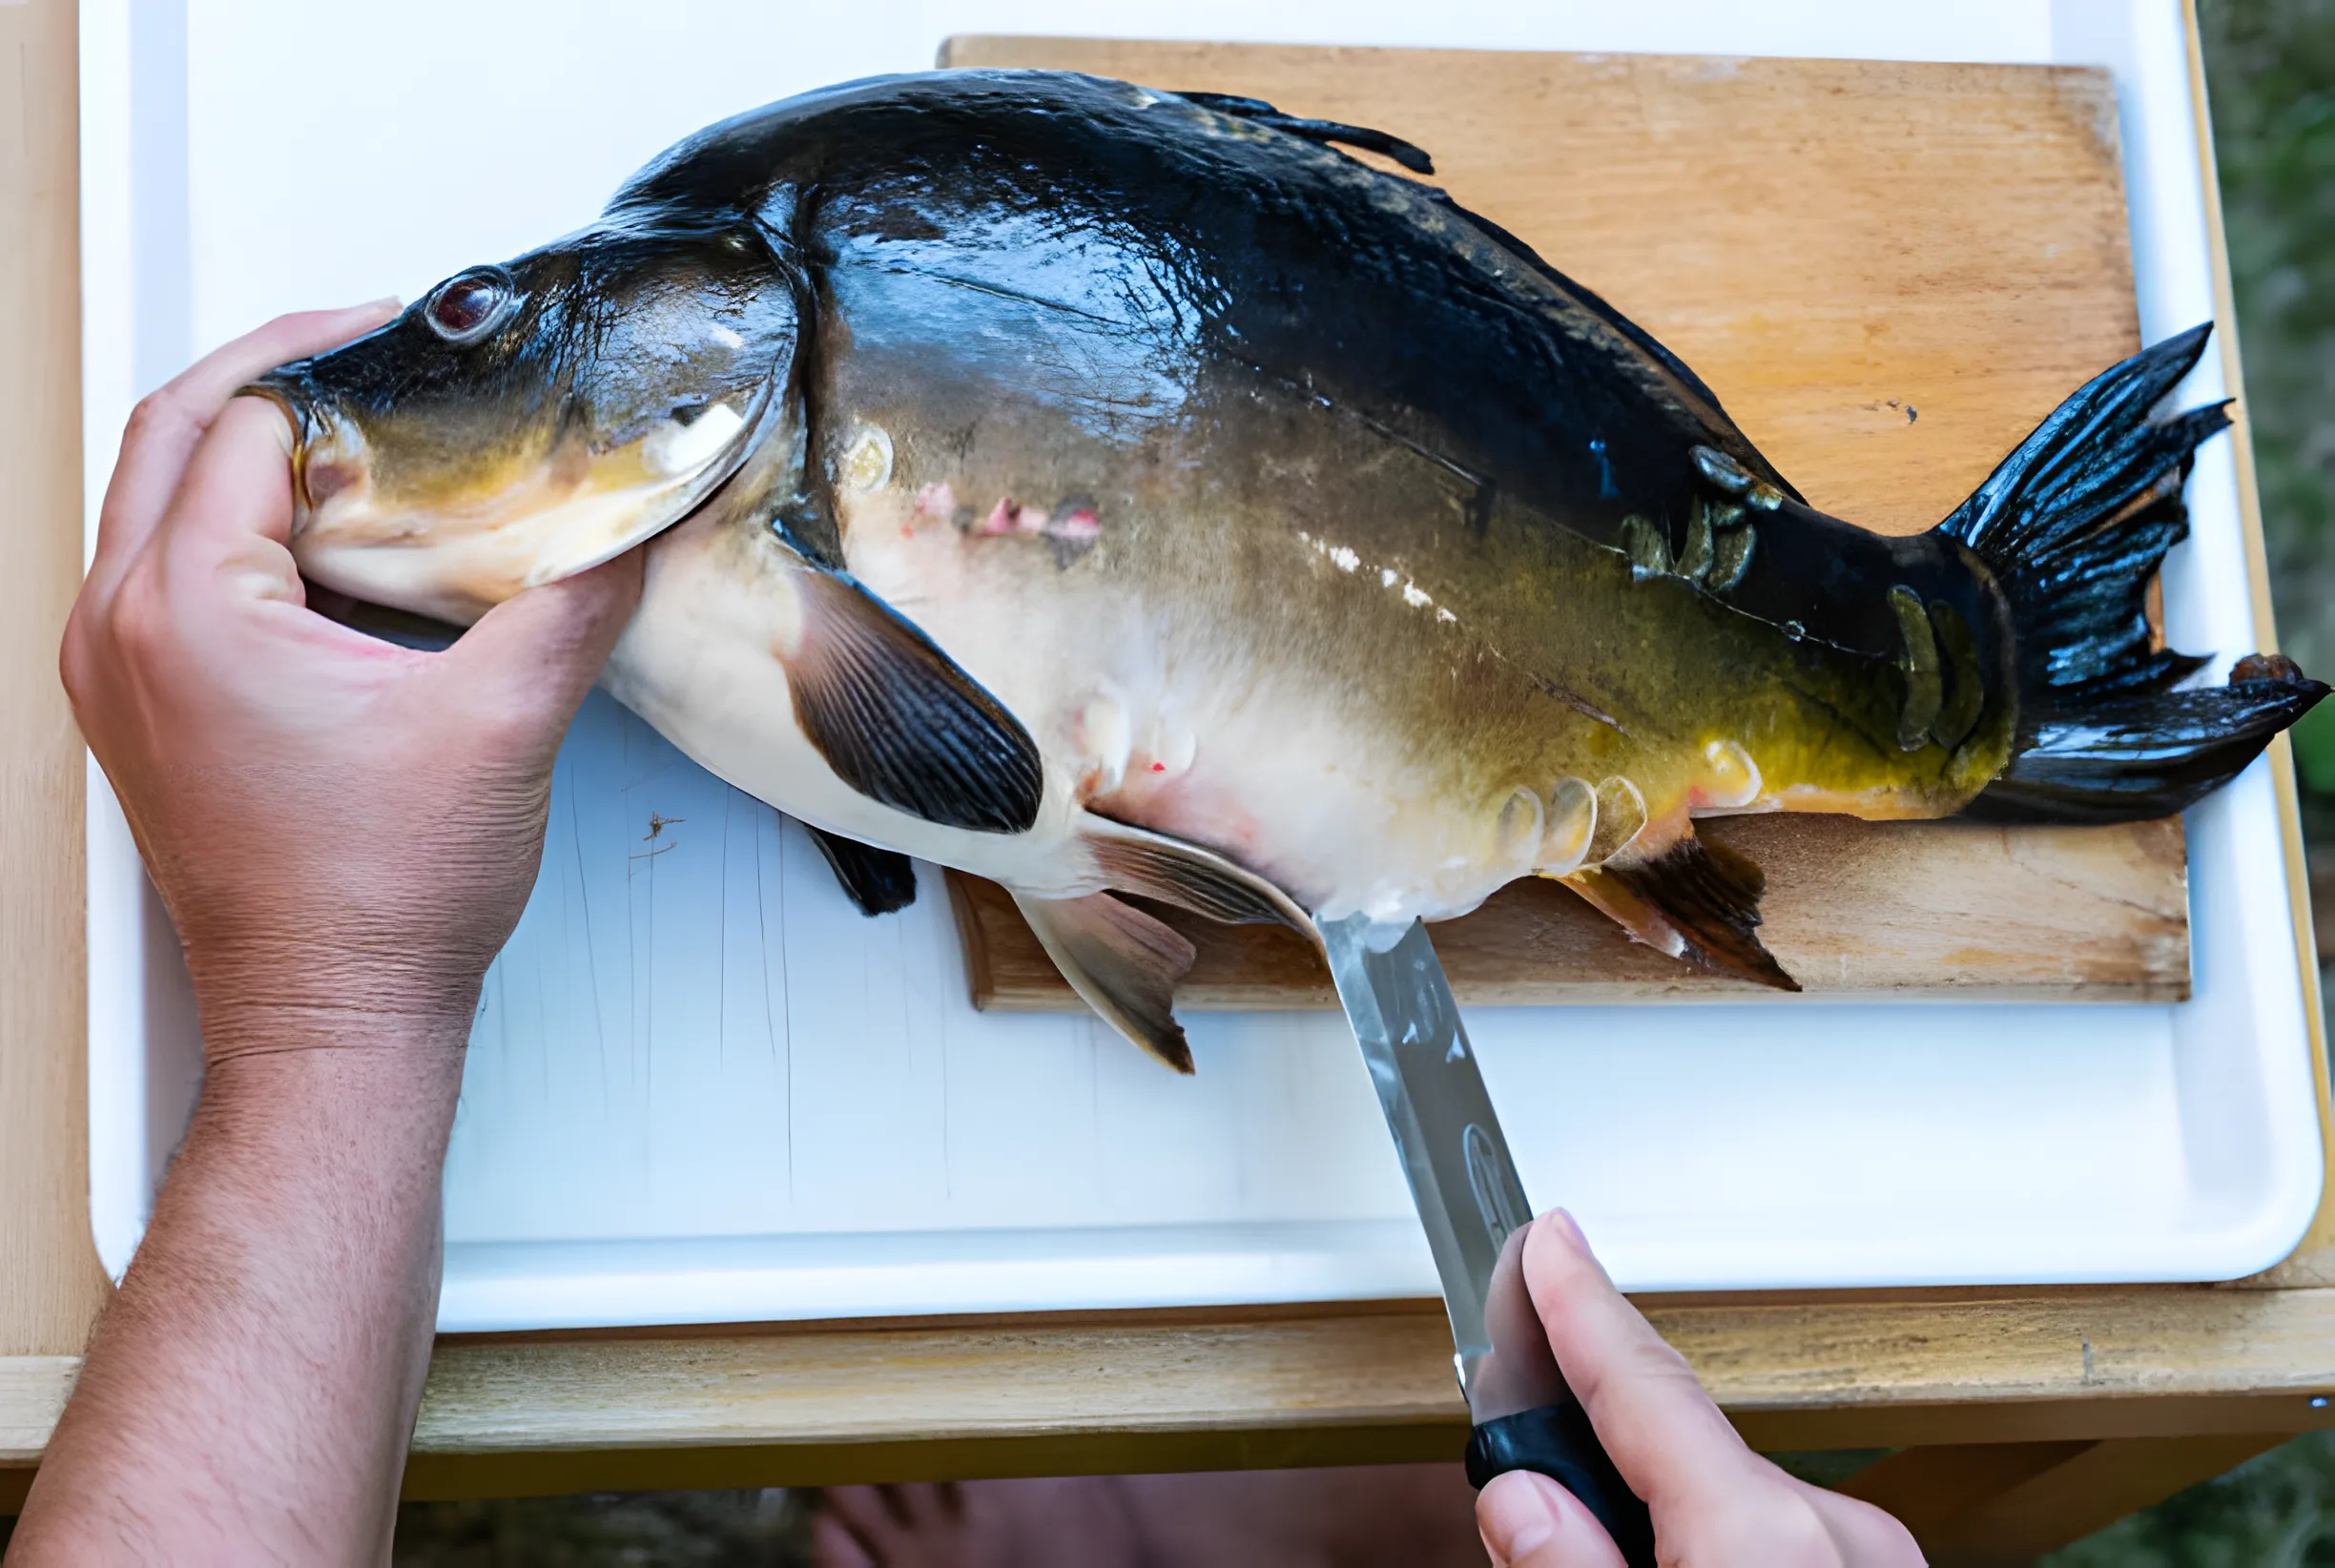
x=523 y=421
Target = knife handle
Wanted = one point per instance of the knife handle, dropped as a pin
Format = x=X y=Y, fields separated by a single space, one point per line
x=1559 y=1442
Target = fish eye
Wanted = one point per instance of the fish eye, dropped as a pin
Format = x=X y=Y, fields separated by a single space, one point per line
x=470 y=304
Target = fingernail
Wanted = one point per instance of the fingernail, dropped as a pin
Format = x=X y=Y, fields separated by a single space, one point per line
x=1563 y=1222
x=388 y=304
x=1515 y=1516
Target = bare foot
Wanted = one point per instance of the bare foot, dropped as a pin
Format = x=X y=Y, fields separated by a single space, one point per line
x=1417 y=1516
x=1076 y=1524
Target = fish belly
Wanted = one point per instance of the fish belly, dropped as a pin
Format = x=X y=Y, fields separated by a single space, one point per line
x=723 y=605
x=1145 y=714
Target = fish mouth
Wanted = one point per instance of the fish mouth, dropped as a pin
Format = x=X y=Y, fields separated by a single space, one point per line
x=313 y=428
x=452 y=535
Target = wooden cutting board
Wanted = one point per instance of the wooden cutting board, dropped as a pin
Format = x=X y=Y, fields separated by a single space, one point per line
x=1890 y=272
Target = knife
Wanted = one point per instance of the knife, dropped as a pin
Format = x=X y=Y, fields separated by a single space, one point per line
x=1471 y=1205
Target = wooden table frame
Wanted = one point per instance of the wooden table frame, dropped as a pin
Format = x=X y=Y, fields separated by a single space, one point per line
x=2023 y=1417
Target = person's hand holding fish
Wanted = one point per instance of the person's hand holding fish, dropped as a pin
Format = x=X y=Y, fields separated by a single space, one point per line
x=344 y=832
x=342 y=827
x=1715 y=1502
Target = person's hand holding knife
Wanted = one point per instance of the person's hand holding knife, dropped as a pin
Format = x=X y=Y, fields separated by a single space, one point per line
x=1714 y=1503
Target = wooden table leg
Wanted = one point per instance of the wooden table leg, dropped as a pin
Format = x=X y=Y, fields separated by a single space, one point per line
x=1981 y=1505
x=1932 y=1487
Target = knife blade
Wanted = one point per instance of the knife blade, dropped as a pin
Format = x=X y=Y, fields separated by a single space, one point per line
x=1471 y=1205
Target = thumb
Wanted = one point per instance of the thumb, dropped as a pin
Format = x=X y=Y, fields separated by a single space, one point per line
x=1529 y=1521
x=531 y=658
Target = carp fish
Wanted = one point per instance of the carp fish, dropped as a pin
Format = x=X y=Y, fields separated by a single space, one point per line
x=1108 y=490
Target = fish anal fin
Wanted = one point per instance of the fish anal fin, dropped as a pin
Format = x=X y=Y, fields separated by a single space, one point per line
x=1187 y=876
x=1123 y=962
x=902 y=723
x=1695 y=901
x=881 y=882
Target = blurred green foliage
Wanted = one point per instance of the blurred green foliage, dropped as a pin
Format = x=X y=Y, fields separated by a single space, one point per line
x=2270 y=68
x=768 y=1529
x=2274 y=1511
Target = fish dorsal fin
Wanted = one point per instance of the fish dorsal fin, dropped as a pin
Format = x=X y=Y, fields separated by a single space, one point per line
x=1155 y=866
x=881 y=882
x=1257 y=111
x=1695 y=901
x=899 y=721
x=1125 y=962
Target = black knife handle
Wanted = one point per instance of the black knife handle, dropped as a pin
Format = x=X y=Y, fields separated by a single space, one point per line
x=1559 y=1442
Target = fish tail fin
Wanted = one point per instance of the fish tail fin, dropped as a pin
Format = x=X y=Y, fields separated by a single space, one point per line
x=2074 y=525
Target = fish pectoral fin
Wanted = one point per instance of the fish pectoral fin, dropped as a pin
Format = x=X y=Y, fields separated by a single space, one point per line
x=1125 y=962
x=881 y=882
x=900 y=722
x=1695 y=901
x=1189 y=877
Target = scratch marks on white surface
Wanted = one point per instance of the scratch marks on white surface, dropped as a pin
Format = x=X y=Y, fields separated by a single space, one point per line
x=721 y=950
x=581 y=903
x=881 y=1102
x=778 y=1024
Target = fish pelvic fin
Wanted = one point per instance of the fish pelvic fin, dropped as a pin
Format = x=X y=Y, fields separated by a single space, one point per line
x=881 y=882
x=1123 y=962
x=1189 y=877
x=901 y=722
x=2074 y=525
x=1695 y=901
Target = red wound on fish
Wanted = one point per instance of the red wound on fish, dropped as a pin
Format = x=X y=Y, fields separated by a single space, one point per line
x=1010 y=517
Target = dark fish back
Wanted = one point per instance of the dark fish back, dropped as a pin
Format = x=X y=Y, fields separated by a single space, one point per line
x=1202 y=242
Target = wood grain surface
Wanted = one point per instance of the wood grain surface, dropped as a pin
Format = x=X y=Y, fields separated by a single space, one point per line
x=1199 y=1389
x=1943 y=909
x=51 y=1287
x=1890 y=272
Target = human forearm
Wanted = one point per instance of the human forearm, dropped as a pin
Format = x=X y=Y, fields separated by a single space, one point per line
x=344 y=832
x=250 y=1394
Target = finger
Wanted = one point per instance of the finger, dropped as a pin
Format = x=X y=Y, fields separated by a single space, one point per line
x=1529 y=1521
x=833 y=1545
x=529 y=660
x=167 y=425
x=925 y=1503
x=224 y=544
x=237 y=487
x=864 y=1512
x=1865 y=1535
x=1665 y=1435
x=223 y=549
